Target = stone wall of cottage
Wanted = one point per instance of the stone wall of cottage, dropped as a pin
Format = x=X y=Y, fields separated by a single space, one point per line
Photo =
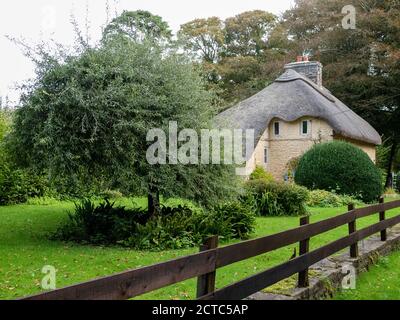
x=291 y=144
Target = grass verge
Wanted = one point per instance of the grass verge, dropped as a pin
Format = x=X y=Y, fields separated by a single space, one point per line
x=381 y=282
x=25 y=249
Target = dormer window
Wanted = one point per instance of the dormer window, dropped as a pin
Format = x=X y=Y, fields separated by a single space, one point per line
x=305 y=127
x=277 y=128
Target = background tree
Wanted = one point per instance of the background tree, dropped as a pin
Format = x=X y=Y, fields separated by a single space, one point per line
x=247 y=33
x=204 y=38
x=138 y=25
x=239 y=56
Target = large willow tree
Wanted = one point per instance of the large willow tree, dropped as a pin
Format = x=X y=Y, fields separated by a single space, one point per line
x=86 y=117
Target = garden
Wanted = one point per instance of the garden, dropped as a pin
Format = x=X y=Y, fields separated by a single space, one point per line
x=25 y=248
x=78 y=192
x=103 y=235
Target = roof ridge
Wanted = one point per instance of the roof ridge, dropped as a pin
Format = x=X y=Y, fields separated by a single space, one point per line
x=292 y=101
x=291 y=75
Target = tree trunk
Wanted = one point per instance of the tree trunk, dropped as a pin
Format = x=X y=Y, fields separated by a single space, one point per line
x=153 y=202
x=389 y=182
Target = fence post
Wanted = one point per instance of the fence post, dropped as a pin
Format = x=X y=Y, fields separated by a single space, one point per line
x=206 y=282
x=304 y=247
x=353 y=229
x=382 y=217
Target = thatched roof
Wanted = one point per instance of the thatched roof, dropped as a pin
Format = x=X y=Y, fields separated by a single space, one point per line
x=293 y=96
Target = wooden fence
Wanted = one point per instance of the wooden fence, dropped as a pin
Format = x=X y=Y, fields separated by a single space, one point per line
x=204 y=264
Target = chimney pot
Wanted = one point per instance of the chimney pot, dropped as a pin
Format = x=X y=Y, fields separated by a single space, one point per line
x=310 y=69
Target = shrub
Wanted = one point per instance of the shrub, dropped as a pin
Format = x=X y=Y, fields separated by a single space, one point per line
x=276 y=199
x=101 y=224
x=342 y=167
x=175 y=227
x=43 y=201
x=260 y=173
x=326 y=199
x=16 y=186
x=232 y=220
x=112 y=194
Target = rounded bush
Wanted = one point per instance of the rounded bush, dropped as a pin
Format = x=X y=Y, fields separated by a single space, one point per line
x=342 y=167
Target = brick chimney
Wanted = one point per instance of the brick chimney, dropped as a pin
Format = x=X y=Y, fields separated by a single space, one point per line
x=310 y=69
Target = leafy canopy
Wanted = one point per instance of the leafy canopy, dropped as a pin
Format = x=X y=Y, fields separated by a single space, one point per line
x=138 y=26
x=204 y=37
x=87 y=119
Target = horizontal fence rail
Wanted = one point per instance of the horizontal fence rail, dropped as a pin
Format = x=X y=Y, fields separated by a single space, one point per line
x=129 y=284
x=246 y=287
x=204 y=264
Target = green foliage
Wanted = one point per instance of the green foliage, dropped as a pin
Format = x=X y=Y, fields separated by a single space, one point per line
x=86 y=119
x=326 y=199
x=382 y=156
x=276 y=199
x=232 y=220
x=175 y=227
x=112 y=194
x=100 y=224
x=244 y=35
x=260 y=173
x=4 y=124
x=138 y=26
x=247 y=33
x=342 y=167
x=16 y=186
x=204 y=37
x=240 y=55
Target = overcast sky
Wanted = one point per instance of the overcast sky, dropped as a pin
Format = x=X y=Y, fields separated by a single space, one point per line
x=36 y=20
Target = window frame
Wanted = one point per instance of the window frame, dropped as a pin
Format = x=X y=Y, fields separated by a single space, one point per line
x=308 y=122
x=277 y=125
x=266 y=155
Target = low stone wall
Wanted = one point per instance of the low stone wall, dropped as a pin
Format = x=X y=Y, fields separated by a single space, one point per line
x=327 y=274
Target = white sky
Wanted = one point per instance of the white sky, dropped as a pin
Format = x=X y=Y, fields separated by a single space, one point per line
x=36 y=20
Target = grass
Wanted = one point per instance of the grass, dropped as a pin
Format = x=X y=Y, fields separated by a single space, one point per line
x=381 y=282
x=25 y=250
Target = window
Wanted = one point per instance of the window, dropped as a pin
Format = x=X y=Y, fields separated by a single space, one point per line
x=305 y=127
x=277 y=128
x=265 y=155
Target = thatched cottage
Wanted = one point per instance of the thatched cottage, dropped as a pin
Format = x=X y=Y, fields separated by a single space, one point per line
x=294 y=113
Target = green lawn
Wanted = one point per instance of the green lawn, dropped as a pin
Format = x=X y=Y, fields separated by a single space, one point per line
x=25 y=249
x=381 y=282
